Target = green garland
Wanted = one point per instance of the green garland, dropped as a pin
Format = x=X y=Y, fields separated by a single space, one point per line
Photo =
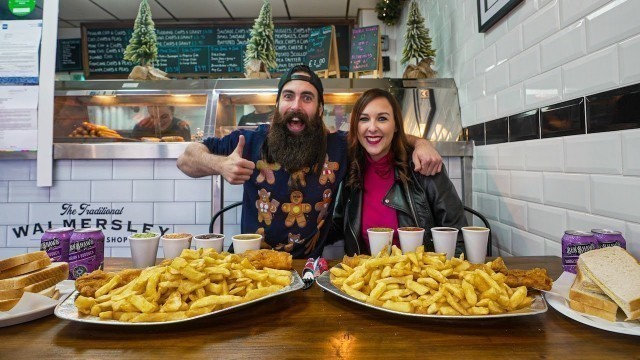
x=389 y=11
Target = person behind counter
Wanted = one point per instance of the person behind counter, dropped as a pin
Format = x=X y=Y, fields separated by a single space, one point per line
x=290 y=169
x=381 y=189
x=160 y=123
x=260 y=115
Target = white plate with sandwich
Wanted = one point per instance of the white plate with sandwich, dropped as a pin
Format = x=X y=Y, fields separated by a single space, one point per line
x=605 y=293
x=30 y=287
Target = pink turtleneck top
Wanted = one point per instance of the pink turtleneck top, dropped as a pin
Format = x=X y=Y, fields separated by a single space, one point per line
x=379 y=176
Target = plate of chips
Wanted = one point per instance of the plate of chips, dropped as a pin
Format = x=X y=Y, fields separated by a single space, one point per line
x=197 y=284
x=428 y=285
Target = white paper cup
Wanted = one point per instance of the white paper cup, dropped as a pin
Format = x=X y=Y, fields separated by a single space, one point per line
x=410 y=238
x=379 y=238
x=144 y=250
x=244 y=242
x=209 y=241
x=444 y=240
x=475 y=243
x=173 y=245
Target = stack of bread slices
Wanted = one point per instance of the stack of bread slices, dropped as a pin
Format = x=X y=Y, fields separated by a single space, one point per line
x=607 y=279
x=31 y=272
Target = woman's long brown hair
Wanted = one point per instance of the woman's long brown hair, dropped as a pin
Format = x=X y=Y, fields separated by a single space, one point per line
x=399 y=145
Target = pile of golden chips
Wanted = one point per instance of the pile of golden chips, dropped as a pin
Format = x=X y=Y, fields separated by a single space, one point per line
x=198 y=282
x=427 y=283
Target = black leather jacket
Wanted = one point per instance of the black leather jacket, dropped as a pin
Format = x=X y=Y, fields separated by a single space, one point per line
x=427 y=201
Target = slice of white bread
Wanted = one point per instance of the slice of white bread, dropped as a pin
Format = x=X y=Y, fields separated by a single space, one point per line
x=55 y=270
x=580 y=293
x=617 y=273
x=583 y=308
x=6 y=305
x=586 y=283
x=42 y=285
x=22 y=259
x=11 y=294
x=25 y=268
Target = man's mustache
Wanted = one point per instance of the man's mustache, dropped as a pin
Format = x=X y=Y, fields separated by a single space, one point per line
x=290 y=115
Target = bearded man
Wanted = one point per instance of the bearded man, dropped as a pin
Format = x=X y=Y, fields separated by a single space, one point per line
x=290 y=170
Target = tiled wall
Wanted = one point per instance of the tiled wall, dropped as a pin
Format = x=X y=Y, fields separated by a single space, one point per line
x=542 y=53
x=150 y=191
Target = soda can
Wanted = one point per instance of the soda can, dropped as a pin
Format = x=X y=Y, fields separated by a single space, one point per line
x=56 y=243
x=608 y=238
x=573 y=244
x=86 y=252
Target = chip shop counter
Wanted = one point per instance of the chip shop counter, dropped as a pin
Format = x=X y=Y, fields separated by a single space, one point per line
x=317 y=324
x=155 y=119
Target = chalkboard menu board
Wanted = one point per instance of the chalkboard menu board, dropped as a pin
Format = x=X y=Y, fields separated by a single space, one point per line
x=365 y=50
x=192 y=50
x=318 y=48
x=69 y=55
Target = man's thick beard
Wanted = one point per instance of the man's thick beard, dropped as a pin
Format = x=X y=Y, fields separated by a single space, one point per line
x=295 y=152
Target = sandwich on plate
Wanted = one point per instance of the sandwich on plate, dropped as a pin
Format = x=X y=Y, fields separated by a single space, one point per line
x=607 y=279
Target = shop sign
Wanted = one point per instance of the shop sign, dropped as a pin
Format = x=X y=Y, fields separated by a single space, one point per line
x=90 y=221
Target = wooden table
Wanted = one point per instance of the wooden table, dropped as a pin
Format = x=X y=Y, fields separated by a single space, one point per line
x=317 y=325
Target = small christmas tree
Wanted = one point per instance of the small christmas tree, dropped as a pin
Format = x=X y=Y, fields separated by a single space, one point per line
x=417 y=43
x=143 y=48
x=261 y=46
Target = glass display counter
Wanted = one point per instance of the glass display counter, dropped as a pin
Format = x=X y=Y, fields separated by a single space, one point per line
x=155 y=119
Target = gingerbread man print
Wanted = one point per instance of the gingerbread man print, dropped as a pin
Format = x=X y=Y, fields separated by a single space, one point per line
x=328 y=169
x=266 y=206
x=296 y=209
x=266 y=171
x=322 y=207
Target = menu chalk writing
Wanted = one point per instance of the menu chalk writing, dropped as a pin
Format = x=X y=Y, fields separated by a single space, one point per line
x=192 y=50
x=364 y=49
x=319 y=48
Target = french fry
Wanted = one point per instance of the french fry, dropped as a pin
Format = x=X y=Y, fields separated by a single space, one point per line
x=428 y=283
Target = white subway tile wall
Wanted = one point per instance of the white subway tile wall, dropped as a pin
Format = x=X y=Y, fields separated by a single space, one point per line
x=85 y=192
x=556 y=50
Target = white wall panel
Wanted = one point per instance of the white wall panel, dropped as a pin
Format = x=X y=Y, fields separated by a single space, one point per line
x=629 y=55
x=616 y=196
x=541 y=25
x=526 y=186
x=547 y=221
x=569 y=191
x=511 y=156
x=524 y=243
x=544 y=155
x=630 y=151
x=597 y=71
x=594 y=153
x=564 y=46
x=616 y=21
x=513 y=212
